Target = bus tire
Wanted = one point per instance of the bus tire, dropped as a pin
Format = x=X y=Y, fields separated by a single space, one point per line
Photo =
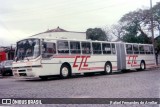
x=3 y=74
x=107 y=68
x=65 y=71
x=142 y=65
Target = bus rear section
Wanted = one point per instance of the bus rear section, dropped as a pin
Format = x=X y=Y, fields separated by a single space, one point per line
x=135 y=56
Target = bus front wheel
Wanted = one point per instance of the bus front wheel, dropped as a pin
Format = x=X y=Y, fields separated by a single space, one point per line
x=65 y=71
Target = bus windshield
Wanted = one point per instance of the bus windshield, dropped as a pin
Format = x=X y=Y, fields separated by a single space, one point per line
x=27 y=49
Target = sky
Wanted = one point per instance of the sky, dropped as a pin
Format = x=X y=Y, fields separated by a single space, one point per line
x=22 y=18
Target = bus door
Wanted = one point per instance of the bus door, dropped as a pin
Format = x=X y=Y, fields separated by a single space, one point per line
x=121 y=57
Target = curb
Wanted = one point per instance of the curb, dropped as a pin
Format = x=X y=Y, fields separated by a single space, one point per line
x=155 y=67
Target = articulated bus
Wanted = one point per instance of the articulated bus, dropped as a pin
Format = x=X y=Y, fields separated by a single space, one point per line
x=44 y=57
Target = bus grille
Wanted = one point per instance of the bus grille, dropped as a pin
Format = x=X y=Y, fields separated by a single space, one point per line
x=22 y=74
x=21 y=70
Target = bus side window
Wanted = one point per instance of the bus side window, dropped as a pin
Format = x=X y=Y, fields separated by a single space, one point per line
x=146 y=49
x=129 y=49
x=96 y=48
x=75 y=47
x=63 y=47
x=135 y=49
x=48 y=49
x=106 y=48
x=86 y=47
x=141 y=49
x=151 y=49
x=113 y=49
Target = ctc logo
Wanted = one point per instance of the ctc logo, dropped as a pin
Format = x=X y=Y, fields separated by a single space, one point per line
x=82 y=61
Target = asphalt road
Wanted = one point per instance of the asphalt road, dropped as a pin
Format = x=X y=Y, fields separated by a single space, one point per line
x=142 y=84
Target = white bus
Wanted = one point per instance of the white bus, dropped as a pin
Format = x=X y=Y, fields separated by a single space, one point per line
x=42 y=57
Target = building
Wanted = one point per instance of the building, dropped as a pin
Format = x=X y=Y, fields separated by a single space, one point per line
x=7 y=53
x=61 y=33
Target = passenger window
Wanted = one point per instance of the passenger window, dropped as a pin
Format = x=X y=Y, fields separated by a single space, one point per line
x=63 y=47
x=151 y=49
x=96 y=48
x=141 y=49
x=49 y=49
x=135 y=49
x=146 y=49
x=75 y=47
x=106 y=47
x=86 y=47
x=129 y=49
x=113 y=49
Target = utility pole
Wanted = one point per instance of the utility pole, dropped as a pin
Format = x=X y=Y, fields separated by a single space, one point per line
x=152 y=27
x=152 y=30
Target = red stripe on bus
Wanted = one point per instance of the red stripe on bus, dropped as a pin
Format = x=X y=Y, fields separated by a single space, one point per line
x=114 y=67
x=132 y=55
x=92 y=68
x=96 y=68
x=135 y=65
x=150 y=64
x=146 y=65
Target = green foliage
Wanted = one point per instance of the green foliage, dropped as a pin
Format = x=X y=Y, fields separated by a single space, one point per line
x=130 y=35
x=144 y=39
x=135 y=22
x=96 y=34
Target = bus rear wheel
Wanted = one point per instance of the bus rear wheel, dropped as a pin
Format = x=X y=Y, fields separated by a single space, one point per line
x=65 y=72
x=142 y=65
x=107 y=68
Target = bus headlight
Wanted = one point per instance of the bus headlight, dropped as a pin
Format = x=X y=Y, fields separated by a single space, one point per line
x=14 y=70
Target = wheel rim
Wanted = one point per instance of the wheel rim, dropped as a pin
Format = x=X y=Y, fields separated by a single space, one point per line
x=108 y=69
x=65 y=71
x=142 y=65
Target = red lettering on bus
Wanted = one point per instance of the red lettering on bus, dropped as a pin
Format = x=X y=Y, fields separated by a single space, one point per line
x=129 y=60
x=83 y=60
x=132 y=60
x=86 y=65
x=74 y=65
x=135 y=62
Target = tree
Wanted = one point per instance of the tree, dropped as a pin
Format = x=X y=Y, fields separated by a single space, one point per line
x=131 y=34
x=96 y=34
x=157 y=44
x=118 y=30
x=108 y=33
x=156 y=16
x=134 y=26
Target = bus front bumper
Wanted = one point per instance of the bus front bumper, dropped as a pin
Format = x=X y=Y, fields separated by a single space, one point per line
x=25 y=72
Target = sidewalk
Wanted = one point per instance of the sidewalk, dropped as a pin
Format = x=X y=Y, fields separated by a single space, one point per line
x=157 y=66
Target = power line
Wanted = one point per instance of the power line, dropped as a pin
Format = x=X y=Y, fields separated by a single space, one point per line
x=48 y=11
